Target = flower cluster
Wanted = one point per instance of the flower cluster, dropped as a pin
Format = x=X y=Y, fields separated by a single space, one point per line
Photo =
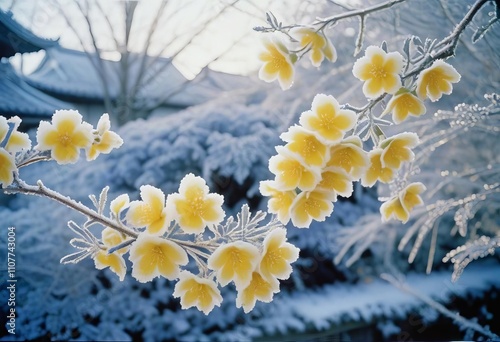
x=316 y=165
x=64 y=136
x=163 y=228
x=279 y=59
x=68 y=133
x=320 y=161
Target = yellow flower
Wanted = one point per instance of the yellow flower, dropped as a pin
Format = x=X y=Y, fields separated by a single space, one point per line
x=306 y=144
x=193 y=207
x=404 y=104
x=112 y=238
x=150 y=212
x=195 y=291
x=105 y=140
x=153 y=256
x=114 y=261
x=280 y=201
x=258 y=289
x=436 y=80
x=278 y=64
x=399 y=207
x=327 y=119
x=312 y=205
x=350 y=156
x=17 y=140
x=379 y=70
x=102 y=259
x=7 y=168
x=119 y=204
x=277 y=255
x=336 y=180
x=291 y=172
x=376 y=172
x=234 y=261
x=320 y=46
x=65 y=136
x=397 y=149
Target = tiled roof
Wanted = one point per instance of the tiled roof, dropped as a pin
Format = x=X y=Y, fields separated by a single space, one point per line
x=19 y=98
x=70 y=75
x=15 y=38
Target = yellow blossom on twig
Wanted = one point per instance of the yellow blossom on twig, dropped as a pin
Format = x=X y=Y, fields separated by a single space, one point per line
x=280 y=201
x=277 y=255
x=291 y=172
x=311 y=205
x=194 y=208
x=153 y=256
x=437 y=80
x=306 y=144
x=258 y=289
x=278 y=64
x=7 y=168
x=114 y=261
x=65 y=136
x=234 y=261
x=400 y=206
x=376 y=172
x=150 y=212
x=119 y=204
x=105 y=140
x=195 y=291
x=350 y=156
x=17 y=140
x=397 y=149
x=380 y=71
x=336 y=180
x=404 y=104
x=327 y=119
x=321 y=47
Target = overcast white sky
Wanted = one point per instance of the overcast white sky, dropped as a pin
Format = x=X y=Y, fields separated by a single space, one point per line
x=232 y=28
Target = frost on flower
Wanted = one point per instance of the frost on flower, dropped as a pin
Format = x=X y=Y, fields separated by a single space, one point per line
x=311 y=205
x=336 y=180
x=437 y=80
x=105 y=140
x=17 y=140
x=119 y=204
x=376 y=172
x=195 y=291
x=280 y=201
x=102 y=259
x=112 y=238
x=320 y=45
x=306 y=144
x=277 y=255
x=7 y=168
x=65 y=136
x=150 y=212
x=404 y=104
x=327 y=119
x=380 y=71
x=234 y=262
x=397 y=149
x=350 y=156
x=291 y=173
x=153 y=256
x=114 y=261
x=400 y=206
x=258 y=289
x=278 y=64
x=194 y=208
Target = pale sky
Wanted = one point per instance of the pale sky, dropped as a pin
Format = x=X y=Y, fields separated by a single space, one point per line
x=232 y=31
